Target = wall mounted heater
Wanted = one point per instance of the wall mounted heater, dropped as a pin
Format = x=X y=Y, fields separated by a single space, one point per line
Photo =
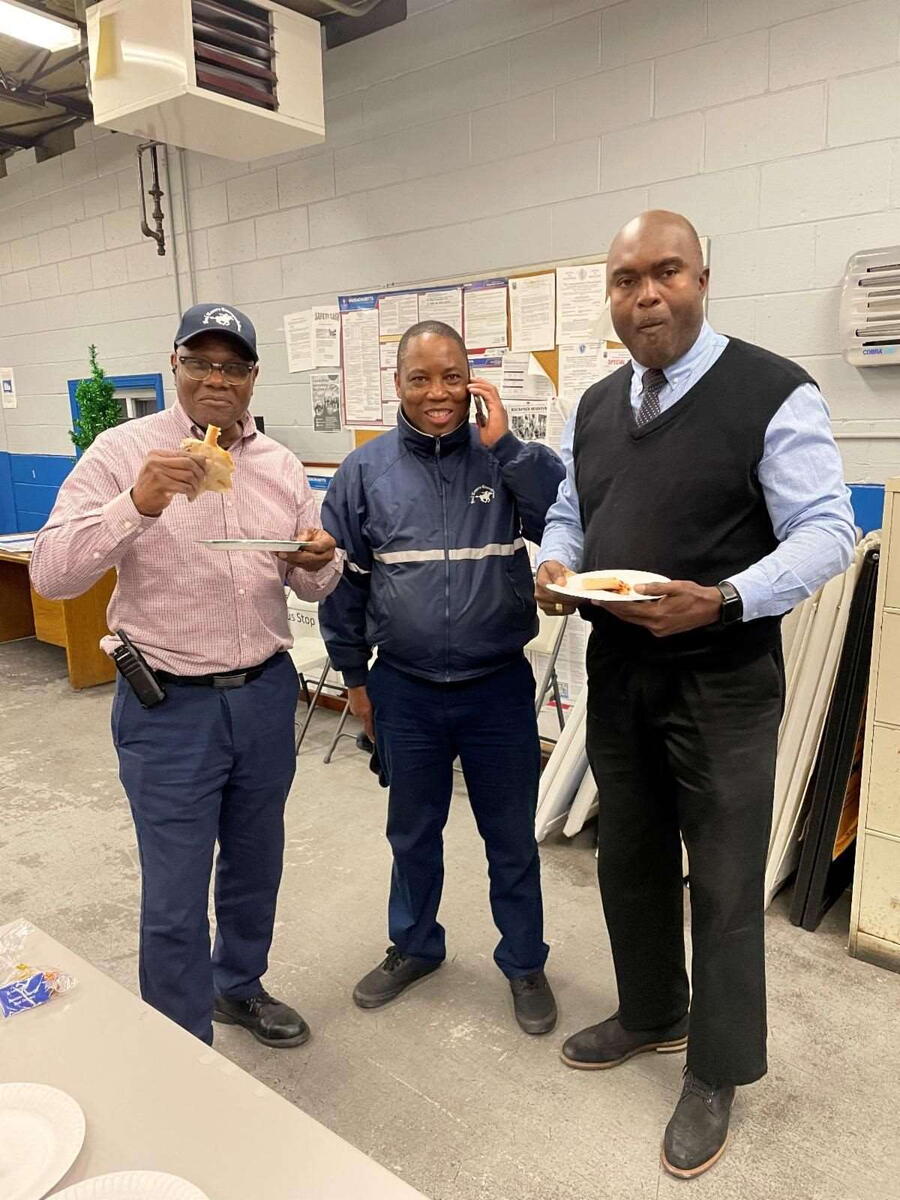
x=240 y=79
x=870 y=308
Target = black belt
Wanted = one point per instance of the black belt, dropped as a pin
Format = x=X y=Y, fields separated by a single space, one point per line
x=222 y=679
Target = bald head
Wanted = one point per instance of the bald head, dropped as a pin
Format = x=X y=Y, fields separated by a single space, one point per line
x=657 y=284
x=659 y=223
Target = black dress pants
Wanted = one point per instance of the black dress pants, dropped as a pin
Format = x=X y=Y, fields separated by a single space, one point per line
x=687 y=750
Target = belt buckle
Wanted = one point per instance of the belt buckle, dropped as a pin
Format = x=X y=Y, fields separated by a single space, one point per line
x=230 y=681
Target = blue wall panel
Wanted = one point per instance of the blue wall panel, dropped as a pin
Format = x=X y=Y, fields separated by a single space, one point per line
x=30 y=522
x=868 y=505
x=7 y=504
x=29 y=483
x=36 y=497
x=49 y=469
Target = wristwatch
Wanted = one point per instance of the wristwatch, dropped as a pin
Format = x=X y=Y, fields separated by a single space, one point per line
x=732 y=604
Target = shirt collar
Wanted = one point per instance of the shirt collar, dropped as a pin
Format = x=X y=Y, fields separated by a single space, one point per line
x=425 y=443
x=682 y=367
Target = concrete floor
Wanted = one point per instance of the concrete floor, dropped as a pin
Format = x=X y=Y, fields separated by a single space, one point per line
x=442 y=1087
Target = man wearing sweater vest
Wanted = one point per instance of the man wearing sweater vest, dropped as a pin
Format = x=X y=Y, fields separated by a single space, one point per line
x=711 y=461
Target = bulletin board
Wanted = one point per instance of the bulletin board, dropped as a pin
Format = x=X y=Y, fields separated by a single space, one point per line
x=487 y=310
x=498 y=313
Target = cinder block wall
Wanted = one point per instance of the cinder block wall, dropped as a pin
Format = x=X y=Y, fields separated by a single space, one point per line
x=485 y=134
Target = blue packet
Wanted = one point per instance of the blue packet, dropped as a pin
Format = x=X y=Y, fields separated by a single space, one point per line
x=15 y=997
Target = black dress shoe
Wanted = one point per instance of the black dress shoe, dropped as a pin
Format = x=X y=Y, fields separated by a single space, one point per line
x=608 y=1044
x=270 y=1021
x=697 y=1133
x=533 y=1001
x=391 y=977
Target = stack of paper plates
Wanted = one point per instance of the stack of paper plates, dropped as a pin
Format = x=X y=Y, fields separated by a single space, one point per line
x=41 y=1133
x=132 y=1185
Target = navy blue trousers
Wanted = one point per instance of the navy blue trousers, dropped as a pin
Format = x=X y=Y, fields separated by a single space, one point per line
x=207 y=766
x=489 y=723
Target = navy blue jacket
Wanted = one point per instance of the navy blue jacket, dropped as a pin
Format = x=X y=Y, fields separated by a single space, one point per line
x=437 y=574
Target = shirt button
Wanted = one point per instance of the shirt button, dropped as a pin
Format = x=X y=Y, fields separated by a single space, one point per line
x=240 y=591
x=96 y=554
x=229 y=503
x=127 y=524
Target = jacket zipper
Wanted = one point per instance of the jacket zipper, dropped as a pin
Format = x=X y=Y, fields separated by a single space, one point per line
x=437 y=459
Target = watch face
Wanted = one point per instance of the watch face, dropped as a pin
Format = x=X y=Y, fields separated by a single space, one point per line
x=732 y=605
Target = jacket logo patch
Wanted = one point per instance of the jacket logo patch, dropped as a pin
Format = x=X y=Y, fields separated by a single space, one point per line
x=484 y=493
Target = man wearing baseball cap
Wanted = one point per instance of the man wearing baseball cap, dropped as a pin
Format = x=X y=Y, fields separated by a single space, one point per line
x=213 y=759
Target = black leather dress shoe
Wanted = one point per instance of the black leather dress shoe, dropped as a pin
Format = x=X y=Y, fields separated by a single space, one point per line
x=270 y=1021
x=697 y=1133
x=534 y=1003
x=391 y=977
x=608 y=1044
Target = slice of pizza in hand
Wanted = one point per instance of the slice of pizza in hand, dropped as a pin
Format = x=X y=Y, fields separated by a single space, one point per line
x=606 y=584
x=217 y=463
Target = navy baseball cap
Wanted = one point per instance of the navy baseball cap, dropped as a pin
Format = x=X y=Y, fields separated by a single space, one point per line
x=218 y=318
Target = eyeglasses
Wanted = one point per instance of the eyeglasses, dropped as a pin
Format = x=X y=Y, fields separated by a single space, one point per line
x=200 y=369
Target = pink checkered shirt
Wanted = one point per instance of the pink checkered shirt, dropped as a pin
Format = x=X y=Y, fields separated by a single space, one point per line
x=190 y=609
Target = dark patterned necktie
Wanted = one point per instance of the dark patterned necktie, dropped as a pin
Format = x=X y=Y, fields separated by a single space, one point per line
x=653 y=381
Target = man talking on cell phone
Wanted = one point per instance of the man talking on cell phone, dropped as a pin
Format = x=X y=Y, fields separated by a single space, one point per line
x=432 y=517
x=214 y=760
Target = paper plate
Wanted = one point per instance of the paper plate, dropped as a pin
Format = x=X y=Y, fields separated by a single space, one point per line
x=253 y=544
x=132 y=1185
x=574 y=589
x=41 y=1133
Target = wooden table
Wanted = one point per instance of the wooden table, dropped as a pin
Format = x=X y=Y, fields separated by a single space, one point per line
x=157 y=1099
x=76 y=625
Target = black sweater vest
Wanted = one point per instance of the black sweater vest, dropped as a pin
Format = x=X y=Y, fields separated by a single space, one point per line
x=680 y=495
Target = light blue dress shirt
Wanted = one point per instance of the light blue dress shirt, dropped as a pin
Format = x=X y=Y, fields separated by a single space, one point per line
x=801 y=476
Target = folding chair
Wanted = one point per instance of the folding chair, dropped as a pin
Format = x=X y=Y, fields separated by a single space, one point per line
x=339 y=732
x=548 y=642
x=309 y=656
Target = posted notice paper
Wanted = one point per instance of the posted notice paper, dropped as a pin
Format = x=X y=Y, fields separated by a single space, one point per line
x=313 y=338
x=523 y=378
x=613 y=358
x=362 y=367
x=443 y=304
x=326 y=401
x=484 y=315
x=298 y=337
x=580 y=301
x=528 y=419
x=579 y=367
x=532 y=304
x=388 y=391
x=8 y=387
x=397 y=312
x=488 y=365
x=326 y=337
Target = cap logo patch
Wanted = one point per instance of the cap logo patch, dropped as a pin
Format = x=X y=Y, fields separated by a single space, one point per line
x=223 y=317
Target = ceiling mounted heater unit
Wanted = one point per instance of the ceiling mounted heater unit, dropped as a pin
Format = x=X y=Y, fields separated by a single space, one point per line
x=240 y=79
x=870 y=309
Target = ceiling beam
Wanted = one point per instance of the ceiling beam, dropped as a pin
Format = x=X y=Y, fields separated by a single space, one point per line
x=38 y=98
x=50 y=68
